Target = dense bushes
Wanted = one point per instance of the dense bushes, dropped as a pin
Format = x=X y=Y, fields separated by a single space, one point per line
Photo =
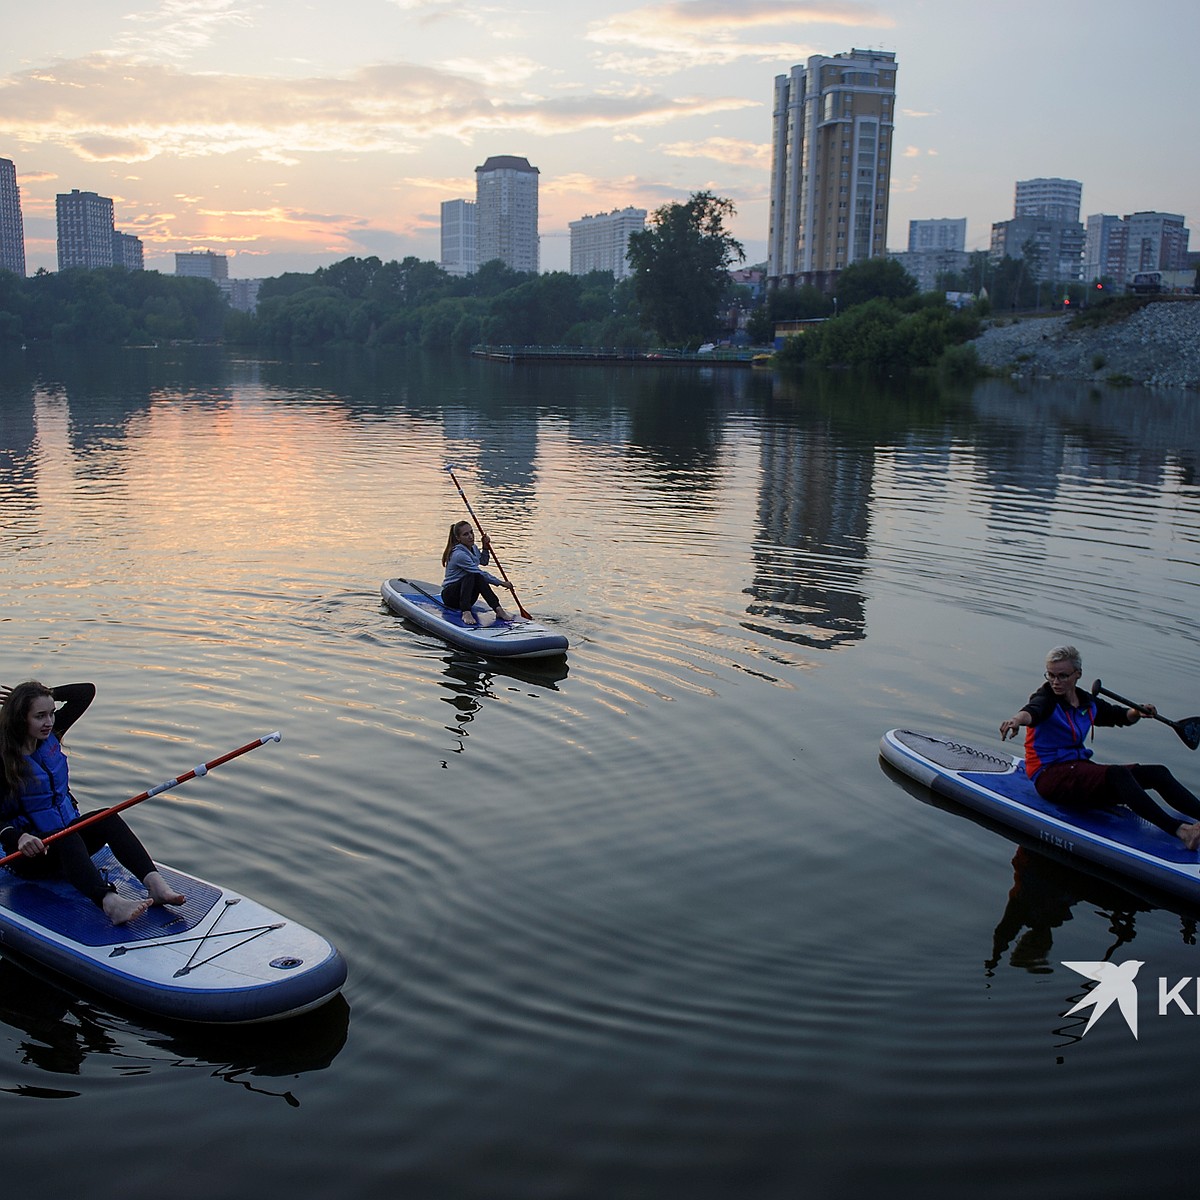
x=886 y=335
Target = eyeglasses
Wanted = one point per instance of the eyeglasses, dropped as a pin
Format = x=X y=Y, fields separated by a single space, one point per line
x=1052 y=675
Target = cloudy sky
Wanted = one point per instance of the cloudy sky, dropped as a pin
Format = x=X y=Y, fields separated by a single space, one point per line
x=289 y=134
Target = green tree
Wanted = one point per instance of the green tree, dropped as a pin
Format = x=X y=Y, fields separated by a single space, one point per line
x=873 y=278
x=681 y=267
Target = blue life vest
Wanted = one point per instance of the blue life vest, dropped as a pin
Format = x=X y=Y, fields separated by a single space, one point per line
x=1061 y=737
x=44 y=804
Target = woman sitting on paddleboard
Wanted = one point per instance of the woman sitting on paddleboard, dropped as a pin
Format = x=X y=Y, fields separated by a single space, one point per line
x=1058 y=721
x=466 y=580
x=36 y=801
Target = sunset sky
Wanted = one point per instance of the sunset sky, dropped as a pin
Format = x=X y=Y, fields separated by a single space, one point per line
x=290 y=134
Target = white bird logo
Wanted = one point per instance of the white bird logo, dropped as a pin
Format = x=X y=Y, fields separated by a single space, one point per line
x=1115 y=982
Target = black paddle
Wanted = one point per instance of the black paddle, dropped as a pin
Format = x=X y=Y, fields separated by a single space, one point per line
x=1188 y=729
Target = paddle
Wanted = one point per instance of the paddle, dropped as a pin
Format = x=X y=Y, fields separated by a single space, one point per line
x=203 y=769
x=1188 y=729
x=520 y=606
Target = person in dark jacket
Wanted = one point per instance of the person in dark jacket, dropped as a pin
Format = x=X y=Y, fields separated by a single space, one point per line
x=1058 y=720
x=36 y=801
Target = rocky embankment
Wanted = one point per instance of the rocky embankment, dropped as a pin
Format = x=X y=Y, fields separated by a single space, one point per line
x=1158 y=346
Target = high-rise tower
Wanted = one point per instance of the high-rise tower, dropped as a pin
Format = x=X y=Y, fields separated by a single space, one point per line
x=12 y=228
x=506 y=212
x=85 y=230
x=831 y=166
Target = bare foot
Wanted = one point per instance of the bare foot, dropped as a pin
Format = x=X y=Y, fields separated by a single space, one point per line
x=468 y=618
x=120 y=910
x=1189 y=835
x=161 y=892
x=501 y=615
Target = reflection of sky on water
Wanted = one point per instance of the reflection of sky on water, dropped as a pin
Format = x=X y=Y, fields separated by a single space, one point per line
x=838 y=483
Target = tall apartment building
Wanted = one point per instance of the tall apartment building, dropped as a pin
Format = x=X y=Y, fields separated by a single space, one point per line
x=202 y=264
x=1051 y=199
x=831 y=164
x=459 y=237
x=1104 y=247
x=600 y=243
x=128 y=252
x=1046 y=223
x=1117 y=248
x=85 y=230
x=12 y=228
x=942 y=233
x=506 y=212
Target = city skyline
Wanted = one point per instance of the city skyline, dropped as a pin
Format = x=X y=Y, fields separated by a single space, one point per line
x=290 y=137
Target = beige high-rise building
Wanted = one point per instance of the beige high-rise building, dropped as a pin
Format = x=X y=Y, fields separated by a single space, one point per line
x=831 y=166
x=506 y=212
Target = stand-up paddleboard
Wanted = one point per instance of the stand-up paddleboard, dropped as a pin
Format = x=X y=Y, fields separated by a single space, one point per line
x=221 y=958
x=421 y=604
x=996 y=785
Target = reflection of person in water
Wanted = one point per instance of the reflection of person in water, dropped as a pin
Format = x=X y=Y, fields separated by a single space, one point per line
x=1043 y=894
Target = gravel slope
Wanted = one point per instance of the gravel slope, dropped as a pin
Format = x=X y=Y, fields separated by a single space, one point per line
x=1158 y=346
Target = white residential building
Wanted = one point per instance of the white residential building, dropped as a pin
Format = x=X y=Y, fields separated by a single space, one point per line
x=459 y=237
x=601 y=242
x=942 y=233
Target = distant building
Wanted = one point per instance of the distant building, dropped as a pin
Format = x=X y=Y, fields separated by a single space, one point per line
x=128 y=252
x=85 y=230
x=202 y=264
x=1118 y=248
x=1051 y=199
x=831 y=162
x=1046 y=222
x=242 y=294
x=459 y=237
x=1057 y=246
x=506 y=200
x=600 y=243
x=12 y=228
x=925 y=266
x=942 y=233
x=1104 y=247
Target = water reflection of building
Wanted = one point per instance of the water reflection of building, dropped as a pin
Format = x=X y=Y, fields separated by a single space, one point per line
x=810 y=553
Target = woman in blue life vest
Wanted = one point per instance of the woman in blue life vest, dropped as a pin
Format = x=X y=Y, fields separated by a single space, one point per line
x=466 y=580
x=1058 y=721
x=36 y=801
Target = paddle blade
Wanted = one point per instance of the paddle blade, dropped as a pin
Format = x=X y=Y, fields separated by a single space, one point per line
x=1189 y=731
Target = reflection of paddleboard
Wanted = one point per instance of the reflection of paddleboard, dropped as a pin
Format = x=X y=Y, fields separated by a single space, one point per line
x=220 y=958
x=996 y=785
x=422 y=604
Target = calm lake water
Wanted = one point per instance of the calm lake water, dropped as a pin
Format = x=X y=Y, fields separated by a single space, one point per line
x=651 y=923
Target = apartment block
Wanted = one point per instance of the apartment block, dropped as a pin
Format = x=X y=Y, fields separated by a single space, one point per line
x=12 y=227
x=506 y=200
x=459 y=237
x=85 y=230
x=831 y=155
x=601 y=242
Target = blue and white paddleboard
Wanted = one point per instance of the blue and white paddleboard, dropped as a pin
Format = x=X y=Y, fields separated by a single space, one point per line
x=996 y=785
x=421 y=604
x=221 y=958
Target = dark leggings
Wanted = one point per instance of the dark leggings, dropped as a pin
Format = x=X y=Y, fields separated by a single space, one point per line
x=1123 y=785
x=71 y=857
x=462 y=594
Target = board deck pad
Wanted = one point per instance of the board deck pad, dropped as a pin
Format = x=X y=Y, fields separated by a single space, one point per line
x=58 y=906
x=997 y=785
